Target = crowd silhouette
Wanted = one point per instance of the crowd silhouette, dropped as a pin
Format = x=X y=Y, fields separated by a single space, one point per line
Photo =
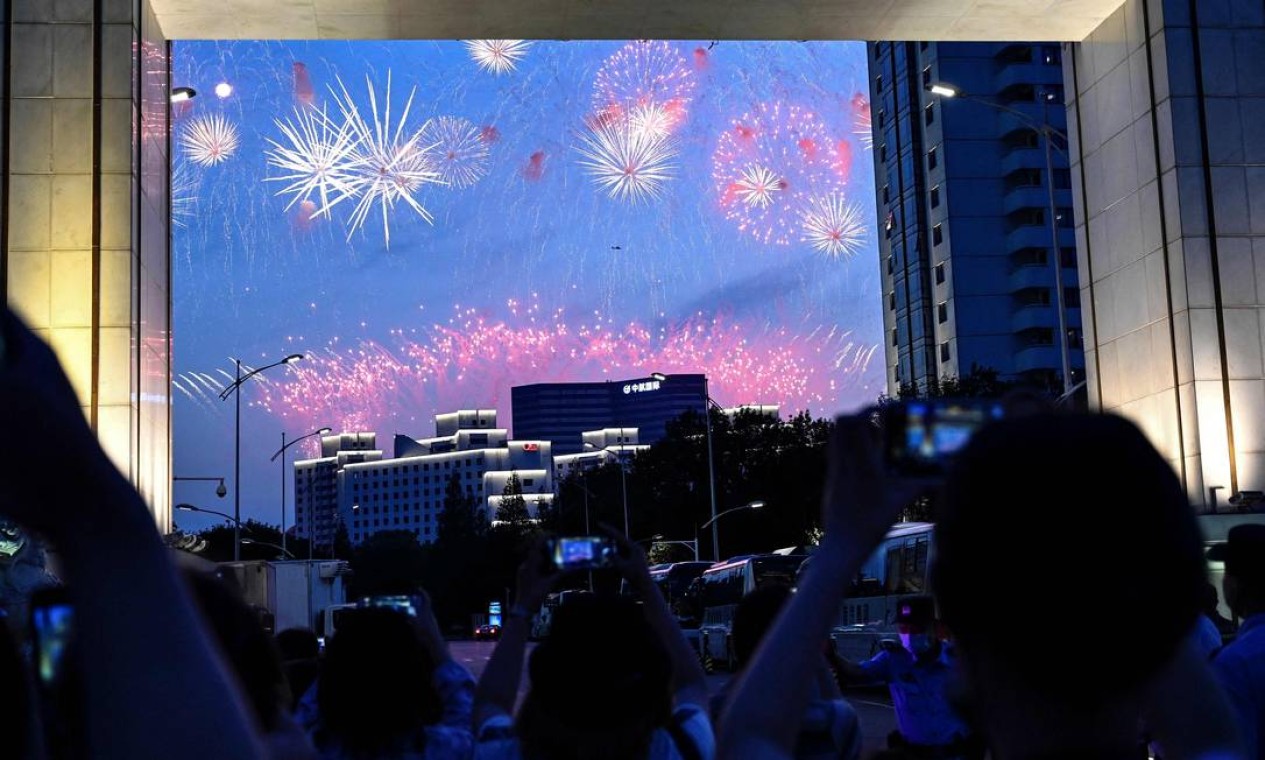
x=1080 y=641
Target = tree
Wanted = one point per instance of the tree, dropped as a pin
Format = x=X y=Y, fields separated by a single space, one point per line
x=511 y=513
x=388 y=562
x=219 y=542
x=462 y=520
x=342 y=541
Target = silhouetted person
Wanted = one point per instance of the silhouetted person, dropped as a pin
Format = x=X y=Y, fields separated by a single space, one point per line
x=1090 y=490
x=389 y=689
x=1240 y=667
x=830 y=728
x=614 y=681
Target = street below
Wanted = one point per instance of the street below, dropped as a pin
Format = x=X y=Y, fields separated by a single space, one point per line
x=873 y=706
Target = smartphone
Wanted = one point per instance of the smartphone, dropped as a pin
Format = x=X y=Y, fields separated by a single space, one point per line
x=409 y=605
x=52 y=633
x=582 y=553
x=920 y=437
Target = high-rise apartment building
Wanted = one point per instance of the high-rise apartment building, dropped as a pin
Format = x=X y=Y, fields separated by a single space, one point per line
x=973 y=238
x=316 y=483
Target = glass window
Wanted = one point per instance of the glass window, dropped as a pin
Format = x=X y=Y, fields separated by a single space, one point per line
x=944 y=352
x=932 y=160
x=929 y=114
x=935 y=197
x=942 y=312
x=937 y=234
x=926 y=76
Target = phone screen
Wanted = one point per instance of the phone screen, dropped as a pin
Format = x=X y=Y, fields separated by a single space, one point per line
x=402 y=603
x=922 y=435
x=585 y=552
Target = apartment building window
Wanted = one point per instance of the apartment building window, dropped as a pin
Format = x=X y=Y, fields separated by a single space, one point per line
x=940 y=273
x=882 y=118
x=942 y=312
x=929 y=114
x=944 y=351
x=887 y=194
x=891 y=265
x=891 y=301
x=1075 y=338
x=935 y=197
x=882 y=153
x=1068 y=257
x=1051 y=55
x=937 y=234
x=895 y=341
x=932 y=159
x=878 y=83
x=926 y=76
x=1071 y=298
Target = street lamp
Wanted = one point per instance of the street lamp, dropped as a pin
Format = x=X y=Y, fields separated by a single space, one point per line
x=708 y=402
x=1048 y=133
x=237 y=523
x=220 y=490
x=712 y=522
x=623 y=480
x=282 y=549
x=281 y=452
x=235 y=390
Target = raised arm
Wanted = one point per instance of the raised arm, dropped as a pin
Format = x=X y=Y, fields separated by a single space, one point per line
x=689 y=682
x=498 y=686
x=860 y=504
x=453 y=682
x=153 y=682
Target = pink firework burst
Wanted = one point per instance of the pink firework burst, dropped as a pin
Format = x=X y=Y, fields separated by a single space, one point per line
x=645 y=74
x=768 y=165
x=474 y=360
x=861 y=124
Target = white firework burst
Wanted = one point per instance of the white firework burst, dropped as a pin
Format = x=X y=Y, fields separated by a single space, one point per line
x=628 y=163
x=757 y=186
x=834 y=227
x=388 y=167
x=861 y=127
x=316 y=156
x=651 y=120
x=208 y=140
x=460 y=153
x=497 y=56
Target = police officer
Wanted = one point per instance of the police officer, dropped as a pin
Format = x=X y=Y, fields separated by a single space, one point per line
x=918 y=675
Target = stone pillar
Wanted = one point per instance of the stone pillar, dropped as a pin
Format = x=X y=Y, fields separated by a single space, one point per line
x=1167 y=120
x=85 y=222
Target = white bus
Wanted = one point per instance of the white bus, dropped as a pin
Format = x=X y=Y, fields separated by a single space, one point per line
x=900 y=567
x=723 y=585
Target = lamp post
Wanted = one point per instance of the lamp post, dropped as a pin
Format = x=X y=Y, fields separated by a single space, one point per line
x=220 y=490
x=708 y=403
x=623 y=483
x=234 y=389
x=270 y=545
x=712 y=522
x=281 y=452
x=1048 y=133
x=237 y=524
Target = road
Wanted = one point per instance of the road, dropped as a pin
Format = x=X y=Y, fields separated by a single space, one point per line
x=873 y=707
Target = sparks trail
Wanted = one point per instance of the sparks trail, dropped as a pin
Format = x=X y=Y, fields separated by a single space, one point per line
x=628 y=163
x=209 y=140
x=368 y=385
x=834 y=227
x=497 y=56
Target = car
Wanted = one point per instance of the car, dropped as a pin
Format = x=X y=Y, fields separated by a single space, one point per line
x=487 y=632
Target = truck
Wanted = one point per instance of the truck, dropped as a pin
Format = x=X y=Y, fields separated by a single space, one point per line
x=291 y=594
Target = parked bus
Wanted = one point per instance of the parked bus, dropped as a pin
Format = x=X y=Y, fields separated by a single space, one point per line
x=722 y=586
x=900 y=567
x=674 y=581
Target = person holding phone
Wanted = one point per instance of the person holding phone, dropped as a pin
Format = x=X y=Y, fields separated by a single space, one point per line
x=1038 y=690
x=153 y=683
x=648 y=703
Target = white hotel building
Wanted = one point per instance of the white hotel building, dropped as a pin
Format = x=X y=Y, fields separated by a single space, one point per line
x=408 y=491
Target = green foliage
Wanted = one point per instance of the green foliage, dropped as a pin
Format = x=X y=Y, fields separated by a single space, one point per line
x=388 y=562
x=512 y=512
x=219 y=543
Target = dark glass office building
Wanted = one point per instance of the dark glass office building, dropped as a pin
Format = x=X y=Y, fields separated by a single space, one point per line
x=560 y=412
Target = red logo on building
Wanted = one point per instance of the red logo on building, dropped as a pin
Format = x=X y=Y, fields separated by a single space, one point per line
x=531 y=447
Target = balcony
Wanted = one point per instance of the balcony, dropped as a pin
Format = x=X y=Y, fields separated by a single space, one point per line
x=1028 y=196
x=1023 y=158
x=1029 y=236
x=1028 y=317
x=1028 y=73
x=1031 y=276
x=1035 y=358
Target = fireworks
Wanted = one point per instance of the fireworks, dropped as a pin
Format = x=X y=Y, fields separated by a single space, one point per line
x=209 y=140
x=388 y=167
x=651 y=121
x=645 y=73
x=317 y=157
x=833 y=226
x=861 y=125
x=757 y=185
x=184 y=188
x=775 y=142
x=460 y=150
x=497 y=56
x=628 y=163
x=365 y=387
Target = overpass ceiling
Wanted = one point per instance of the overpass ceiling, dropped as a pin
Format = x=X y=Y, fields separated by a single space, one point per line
x=994 y=20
